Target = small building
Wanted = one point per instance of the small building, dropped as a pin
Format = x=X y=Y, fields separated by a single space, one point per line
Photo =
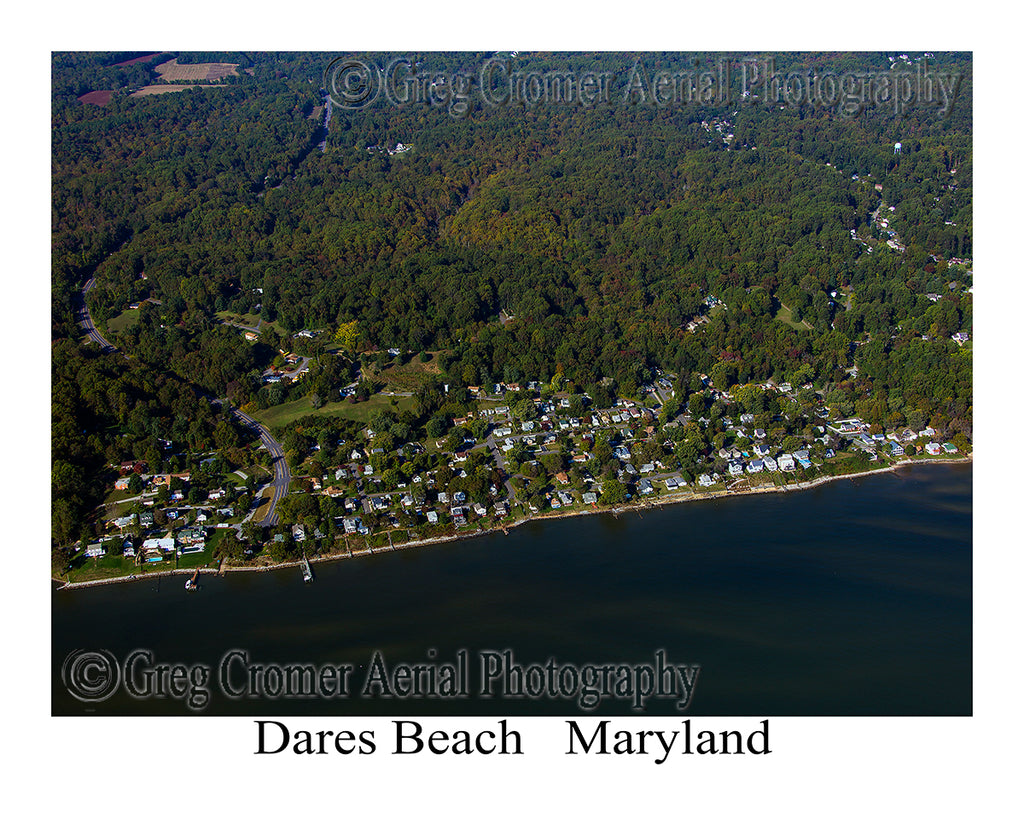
x=95 y=550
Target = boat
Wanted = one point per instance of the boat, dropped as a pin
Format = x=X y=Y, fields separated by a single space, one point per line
x=192 y=584
x=307 y=572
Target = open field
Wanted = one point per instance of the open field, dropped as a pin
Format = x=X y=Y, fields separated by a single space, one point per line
x=171 y=71
x=249 y=320
x=785 y=315
x=406 y=377
x=149 y=90
x=143 y=58
x=283 y=414
x=118 y=324
x=100 y=98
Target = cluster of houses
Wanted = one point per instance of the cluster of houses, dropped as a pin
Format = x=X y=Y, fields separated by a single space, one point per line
x=153 y=549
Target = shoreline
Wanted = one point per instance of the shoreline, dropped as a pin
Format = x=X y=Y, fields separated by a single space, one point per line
x=415 y=544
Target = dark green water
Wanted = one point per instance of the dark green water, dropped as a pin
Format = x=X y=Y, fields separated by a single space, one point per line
x=851 y=598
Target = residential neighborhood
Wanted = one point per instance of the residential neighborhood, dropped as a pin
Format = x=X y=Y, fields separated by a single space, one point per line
x=519 y=450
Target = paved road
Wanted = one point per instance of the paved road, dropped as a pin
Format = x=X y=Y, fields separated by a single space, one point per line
x=282 y=474
x=85 y=320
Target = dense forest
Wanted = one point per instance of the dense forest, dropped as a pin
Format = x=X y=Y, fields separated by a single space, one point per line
x=539 y=242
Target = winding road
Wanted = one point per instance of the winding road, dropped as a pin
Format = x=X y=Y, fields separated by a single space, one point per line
x=282 y=474
x=85 y=320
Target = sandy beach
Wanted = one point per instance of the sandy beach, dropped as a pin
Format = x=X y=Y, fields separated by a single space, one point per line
x=664 y=500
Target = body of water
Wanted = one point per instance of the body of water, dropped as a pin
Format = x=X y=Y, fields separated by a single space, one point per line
x=850 y=598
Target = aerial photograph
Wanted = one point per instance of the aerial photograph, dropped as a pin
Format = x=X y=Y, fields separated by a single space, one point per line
x=511 y=383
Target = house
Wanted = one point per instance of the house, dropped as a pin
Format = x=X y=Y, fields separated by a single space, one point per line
x=480 y=509
x=747 y=418
x=949 y=447
x=670 y=483
x=561 y=477
x=770 y=464
x=755 y=466
x=645 y=486
x=95 y=550
x=735 y=467
x=960 y=338
x=459 y=515
x=193 y=535
x=761 y=450
x=786 y=463
x=431 y=516
x=895 y=449
x=121 y=484
x=125 y=521
x=158 y=544
x=646 y=468
x=590 y=497
x=803 y=457
x=706 y=480
x=146 y=519
x=932 y=448
x=760 y=434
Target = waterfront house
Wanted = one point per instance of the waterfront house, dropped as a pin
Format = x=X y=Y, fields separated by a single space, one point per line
x=95 y=550
x=786 y=463
x=932 y=448
x=755 y=466
x=770 y=463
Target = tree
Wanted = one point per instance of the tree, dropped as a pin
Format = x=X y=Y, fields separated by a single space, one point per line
x=347 y=335
x=612 y=493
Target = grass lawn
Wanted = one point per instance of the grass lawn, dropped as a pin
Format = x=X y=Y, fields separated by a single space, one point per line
x=785 y=315
x=406 y=377
x=249 y=320
x=90 y=568
x=263 y=505
x=120 y=323
x=284 y=414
